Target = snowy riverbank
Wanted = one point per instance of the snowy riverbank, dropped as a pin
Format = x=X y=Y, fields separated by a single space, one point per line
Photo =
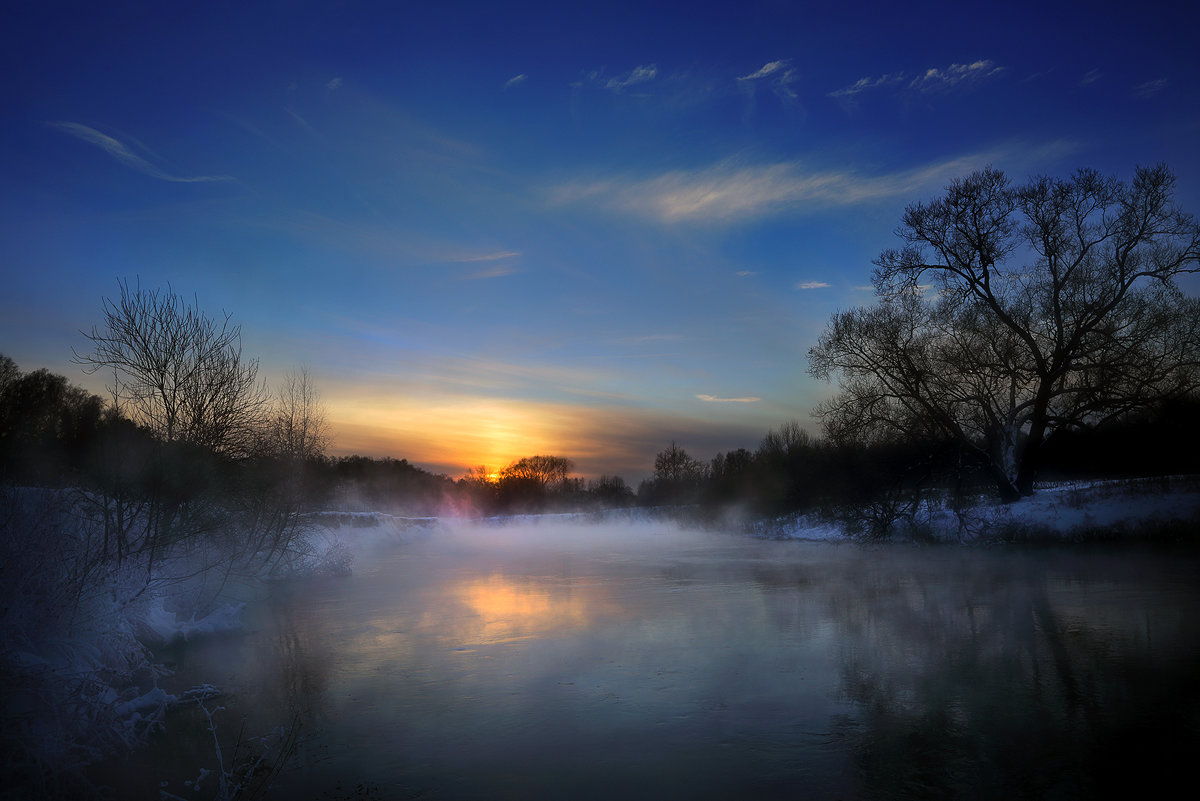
x=1066 y=511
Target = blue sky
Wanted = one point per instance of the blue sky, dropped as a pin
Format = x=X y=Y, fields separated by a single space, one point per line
x=493 y=230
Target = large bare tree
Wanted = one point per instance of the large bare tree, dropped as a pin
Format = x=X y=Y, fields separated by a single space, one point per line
x=178 y=372
x=1015 y=312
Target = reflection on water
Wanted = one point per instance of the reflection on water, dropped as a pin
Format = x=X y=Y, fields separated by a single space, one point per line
x=504 y=663
x=504 y=609
x=1038 y=675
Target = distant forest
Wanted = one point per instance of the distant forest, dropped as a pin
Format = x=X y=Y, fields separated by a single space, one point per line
x=57 y=435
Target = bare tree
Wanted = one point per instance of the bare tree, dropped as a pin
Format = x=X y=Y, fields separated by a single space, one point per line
x=180 y=376
x=177 y=372
x=677 y=478
x=8 y=372
x=297 y=427
x=790 y=439
x=676 y=465
x=1013 y=313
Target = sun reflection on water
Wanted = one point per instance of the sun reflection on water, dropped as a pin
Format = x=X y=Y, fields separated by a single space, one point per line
x=504 y=609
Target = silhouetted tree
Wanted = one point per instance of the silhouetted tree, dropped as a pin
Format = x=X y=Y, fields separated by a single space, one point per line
x=392 y=485
x=297 y=428
x=1162 y=440
x=544 y=471
x=8 y=372
x=788 y=469
x=47 y=425
x=677 y=478
x=732 y=478
x=178 y=373
x=526 y=483
x=1013 y=313
x=675 y=465
x=611 y=491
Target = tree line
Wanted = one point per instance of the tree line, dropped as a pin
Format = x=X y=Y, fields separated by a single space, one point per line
x=1019 y=331
x=55 y=434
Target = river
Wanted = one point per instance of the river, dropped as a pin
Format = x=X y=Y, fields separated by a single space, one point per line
x=569 y=662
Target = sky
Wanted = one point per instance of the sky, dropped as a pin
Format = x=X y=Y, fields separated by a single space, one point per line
x=492 y=230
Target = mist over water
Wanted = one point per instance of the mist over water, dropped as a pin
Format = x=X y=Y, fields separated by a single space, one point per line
x=561 y=660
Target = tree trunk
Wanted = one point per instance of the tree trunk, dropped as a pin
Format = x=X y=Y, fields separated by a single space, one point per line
x=1009 y=491
x=1024 y=482
x=1031 y=456
x=1007 y=488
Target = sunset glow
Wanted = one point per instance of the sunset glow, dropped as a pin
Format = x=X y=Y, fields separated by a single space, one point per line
x=492 y=231
x=455 y=434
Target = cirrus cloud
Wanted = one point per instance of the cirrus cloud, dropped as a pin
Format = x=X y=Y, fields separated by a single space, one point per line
x=730 y=192
x=641 y=74
x=770 y=68
x=121 y=152
x=1149 y=89
x=933 y=79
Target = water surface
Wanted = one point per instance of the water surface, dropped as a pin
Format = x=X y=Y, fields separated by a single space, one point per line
x=565 y=662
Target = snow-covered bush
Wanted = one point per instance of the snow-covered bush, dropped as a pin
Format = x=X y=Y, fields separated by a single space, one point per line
x=78 y=681
x=68 y=649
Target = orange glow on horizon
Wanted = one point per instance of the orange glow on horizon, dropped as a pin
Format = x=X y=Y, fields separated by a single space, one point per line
x=460 y=434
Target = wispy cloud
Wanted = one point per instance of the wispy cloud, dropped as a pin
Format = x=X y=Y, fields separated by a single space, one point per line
x=121 y=152
x=497 y=256
x=637 y=75
x=715 y=399
x=1150 y=88
x=778 y=74
x=516 y=80
x=1091 y=77
x=863 y=84
x=303 y=123
x=333 y=84
x=729 y=192
x=770 y=68
x=934 y=79
x=812 y=285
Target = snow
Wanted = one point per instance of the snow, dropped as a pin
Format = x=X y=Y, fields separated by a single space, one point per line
x=1067 y=511
x=166 y=626
x=155 y=698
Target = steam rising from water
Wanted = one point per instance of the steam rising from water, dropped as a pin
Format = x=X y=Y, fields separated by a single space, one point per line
x=554 y=658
